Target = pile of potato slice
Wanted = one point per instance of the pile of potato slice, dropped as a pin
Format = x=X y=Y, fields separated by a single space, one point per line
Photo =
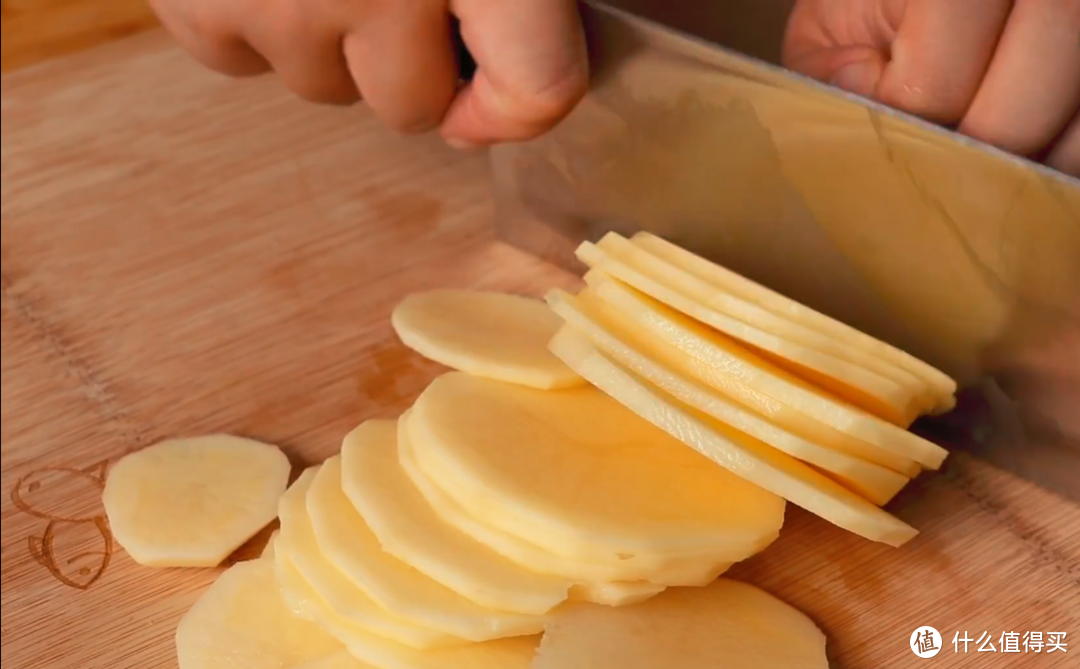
x=588 y=468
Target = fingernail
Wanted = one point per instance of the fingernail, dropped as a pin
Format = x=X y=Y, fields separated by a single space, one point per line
x=860 y=77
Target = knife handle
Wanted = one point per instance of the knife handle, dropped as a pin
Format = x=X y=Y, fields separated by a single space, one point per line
x=466 y=63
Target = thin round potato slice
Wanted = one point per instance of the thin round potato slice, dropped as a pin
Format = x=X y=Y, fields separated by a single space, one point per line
x=339 y=660
x=777 y=394
x=242 y=621
x=760 y=464
x=671 y=370
x=191 y=502
x=591 y=577
x=348 y=544
x=489 y=334
x=943 y=386
x=409 y=529
x=863 y=387
x=271 y=544
x=355 y=610
x=727 y=624
x=382 y=653
x=576 y=473
x=673 y=274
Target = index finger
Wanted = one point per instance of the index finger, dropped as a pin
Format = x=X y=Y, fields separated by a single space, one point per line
x=532 y=69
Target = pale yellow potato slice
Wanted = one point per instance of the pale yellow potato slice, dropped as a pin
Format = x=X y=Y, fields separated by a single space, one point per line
x=746 y=320
x=268 y=549
x=773 y=392
x=191 y=502
x=727 y=624
x=410 y=530
x=942 y=385
x=358 y=612
x=348 y=543
x=489 y=334
x=382 y=653
x=609 y=582
x=619 y=593
x=579 y=475
x=862 y=387
x=339 y=660
x=672 y=371
x=241 y=621
x=760 y=464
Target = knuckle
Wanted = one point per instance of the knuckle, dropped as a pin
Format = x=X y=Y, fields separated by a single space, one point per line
x=552 y=100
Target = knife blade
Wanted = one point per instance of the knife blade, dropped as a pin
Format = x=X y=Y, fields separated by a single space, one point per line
x=950 y=249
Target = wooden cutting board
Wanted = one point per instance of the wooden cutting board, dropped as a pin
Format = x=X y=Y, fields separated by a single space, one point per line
x=185 y=254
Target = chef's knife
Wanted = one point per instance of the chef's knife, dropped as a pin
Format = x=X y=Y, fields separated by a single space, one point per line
x=951 y=249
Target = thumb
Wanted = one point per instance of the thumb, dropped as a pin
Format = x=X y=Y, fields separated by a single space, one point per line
x=532 y=70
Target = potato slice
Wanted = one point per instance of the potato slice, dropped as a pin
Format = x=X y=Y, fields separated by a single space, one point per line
x=727 y=624
x=489 y=334
x=773 y=392
x=676 y=277
x=339 y=660
x=410 y=530
x=619 y=593
x=579 y=475
x=762 y=465
x=382 y=653
x=590 y=577
x=241 y=621
x=357 y=611
x=671 y=370
x=268 y=549
x=192 y=502
x=943 y=387
x=862 y=387
x=349 y=544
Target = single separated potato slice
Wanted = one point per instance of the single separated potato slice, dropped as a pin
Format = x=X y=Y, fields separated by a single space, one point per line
x=410 y=530
x=489 y=334
x=671 y=370
x=862 y=387
x=241 y=621
x=726 y=624
x=595 y=583
x=348 y=543
x=760 y=464
x=576 y=473
x=942 y=386
x=378 y=652
x=192 y=502
x=773 y=392
x=355 y=611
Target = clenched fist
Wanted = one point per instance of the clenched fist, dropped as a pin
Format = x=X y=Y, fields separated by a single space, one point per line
x=399 y=57
x=1004 y=71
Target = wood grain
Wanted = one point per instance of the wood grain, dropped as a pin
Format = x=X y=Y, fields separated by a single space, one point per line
x=35 y=31
x=182 y=254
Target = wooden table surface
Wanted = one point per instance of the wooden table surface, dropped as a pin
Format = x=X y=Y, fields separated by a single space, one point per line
x=34 y=31
x=183 y=253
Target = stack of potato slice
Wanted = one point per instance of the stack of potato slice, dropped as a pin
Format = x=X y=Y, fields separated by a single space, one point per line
x=449 y=537
x=615 y=449
x=800 y=404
